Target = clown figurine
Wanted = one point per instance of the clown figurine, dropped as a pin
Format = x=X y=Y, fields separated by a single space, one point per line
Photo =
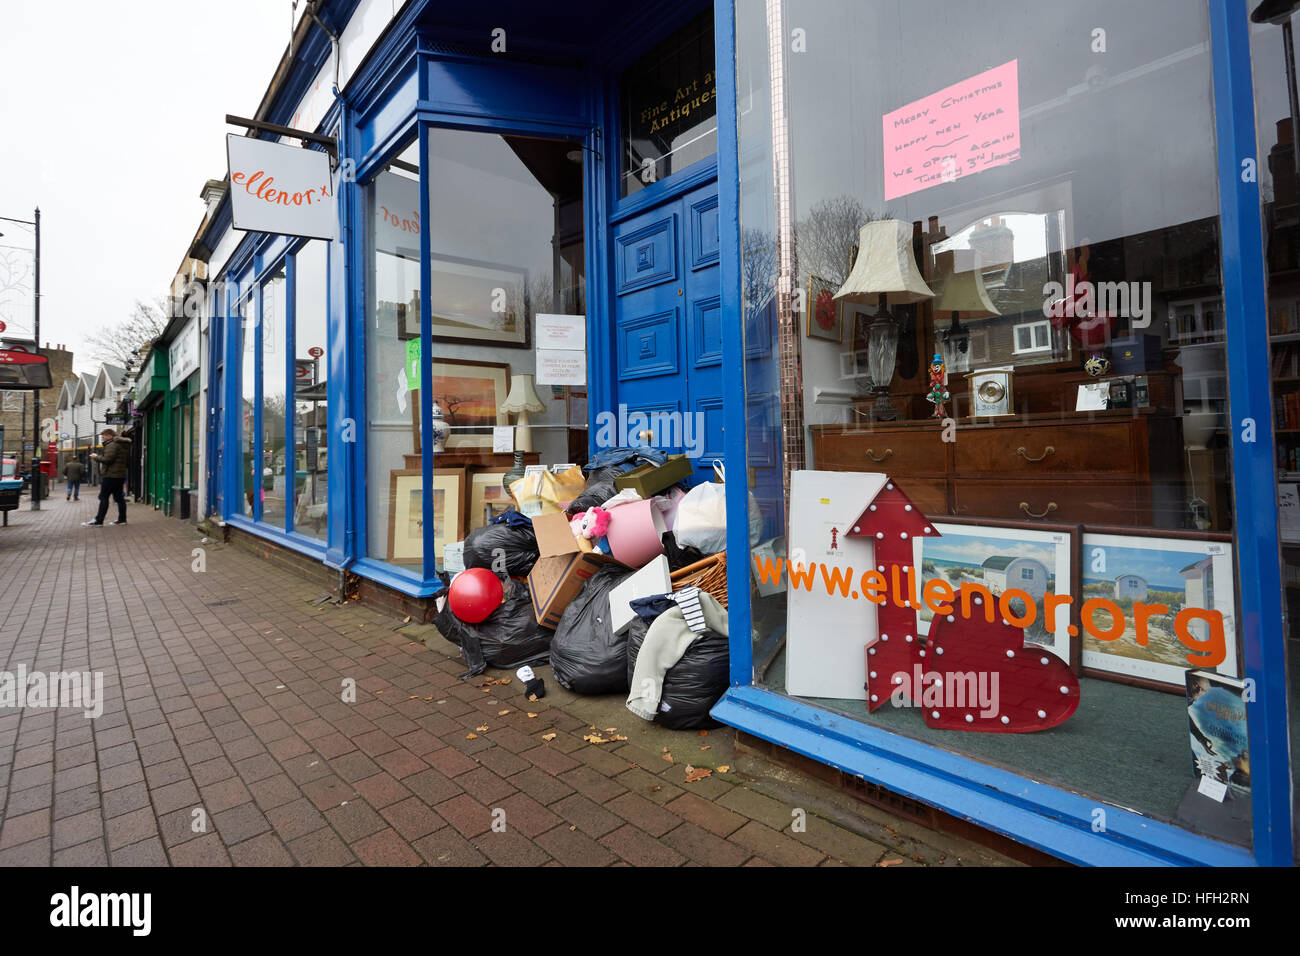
x=938 y=393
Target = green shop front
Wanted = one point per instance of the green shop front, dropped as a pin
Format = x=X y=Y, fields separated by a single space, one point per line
x=153 y=430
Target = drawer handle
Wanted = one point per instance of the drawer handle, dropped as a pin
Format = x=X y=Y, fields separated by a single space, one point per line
x=871 y=453
x=1049 y=450
x=1051 y=506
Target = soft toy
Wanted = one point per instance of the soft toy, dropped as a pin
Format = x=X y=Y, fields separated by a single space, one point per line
x=590 y=527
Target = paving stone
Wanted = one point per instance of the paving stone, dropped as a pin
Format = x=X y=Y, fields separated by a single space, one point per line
x=465 y=814
x=147 y=852
x=295 y=819
x=574 y=848
x=639 y=811
x=386 y=848
x=774 y=846
x=707 y=814
x=207 y=850
x=263 y=850
x=704 y=847
x=639 y=849
x=240 y=823
x=90 y=853
x=382 y=790
x=446 y=847
x=354 y=820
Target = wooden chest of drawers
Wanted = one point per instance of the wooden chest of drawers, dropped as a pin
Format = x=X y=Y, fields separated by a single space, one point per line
x=1122 y=467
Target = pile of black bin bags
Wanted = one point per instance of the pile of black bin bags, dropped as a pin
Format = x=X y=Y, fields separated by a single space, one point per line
x=510 y=636
x=586 y=656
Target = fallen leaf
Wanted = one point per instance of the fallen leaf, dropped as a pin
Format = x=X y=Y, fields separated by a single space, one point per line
x=482 y=729
x=502 y=713
x=471 y=736
x=531 y=714
x=724 y=768
x=610 y=730
x=549 y=736
x=706 y=747
x=668 y=756
x=697 y=773
x=412 y=697
x=656 y=788
x=893 y=862
x=595 y=738
x=704 y=733
x=407 y=619
x=617 y=737
x=379 y=692
x=532 y=697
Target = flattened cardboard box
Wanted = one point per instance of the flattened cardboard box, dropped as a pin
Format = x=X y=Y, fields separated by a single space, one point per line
x=649 y=479
x=561 y=570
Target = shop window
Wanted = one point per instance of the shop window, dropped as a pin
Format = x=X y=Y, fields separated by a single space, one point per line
x=245 y=314
x=394 y=492
x=669 y=107
x=310 y=429
x=505 y=244
x=1018 y=208
x=275 y=462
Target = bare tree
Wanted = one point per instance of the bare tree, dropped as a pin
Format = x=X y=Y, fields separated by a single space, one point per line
x=828 y=236
x=122 y=341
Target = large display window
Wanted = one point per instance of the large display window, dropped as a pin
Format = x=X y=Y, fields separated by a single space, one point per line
x=987 y=389
x=505 y=243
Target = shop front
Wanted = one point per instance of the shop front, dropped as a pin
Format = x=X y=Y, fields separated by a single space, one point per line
x=152 y=434
x=975 y=306
x=184 y=404
x=1007 y=413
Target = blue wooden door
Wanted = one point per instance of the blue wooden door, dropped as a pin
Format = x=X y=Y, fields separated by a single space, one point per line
x=668 y=324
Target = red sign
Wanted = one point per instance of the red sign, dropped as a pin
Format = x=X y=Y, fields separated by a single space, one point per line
x=315 y=351
x=3 y=326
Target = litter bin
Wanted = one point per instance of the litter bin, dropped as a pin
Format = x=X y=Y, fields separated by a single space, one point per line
x=40 y=481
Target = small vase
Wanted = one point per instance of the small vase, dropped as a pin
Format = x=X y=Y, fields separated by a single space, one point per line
x=515 y=473
x=441 y=430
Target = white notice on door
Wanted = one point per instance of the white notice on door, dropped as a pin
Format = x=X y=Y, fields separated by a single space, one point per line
x=561 y=332
x=558 y=367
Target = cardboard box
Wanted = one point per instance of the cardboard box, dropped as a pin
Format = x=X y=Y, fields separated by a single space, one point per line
x=653 y=579
x=561 y=570
x=1141 y=353
x=649 y=480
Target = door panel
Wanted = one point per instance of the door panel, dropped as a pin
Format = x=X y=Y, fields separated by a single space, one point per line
x=668 y=323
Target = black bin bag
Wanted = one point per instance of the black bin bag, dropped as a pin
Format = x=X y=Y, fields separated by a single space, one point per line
x=505 y=545
x=693 y=685
x=586 y=656
x=508 y=637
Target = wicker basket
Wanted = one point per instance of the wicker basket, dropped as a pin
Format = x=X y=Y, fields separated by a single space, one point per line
x=709 y=575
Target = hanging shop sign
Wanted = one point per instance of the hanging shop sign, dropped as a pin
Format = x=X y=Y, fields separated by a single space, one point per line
x=280 y=189
x=183 y=354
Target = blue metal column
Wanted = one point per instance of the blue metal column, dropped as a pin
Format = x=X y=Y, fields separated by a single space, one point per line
x=733 y=347
x=1254 y=481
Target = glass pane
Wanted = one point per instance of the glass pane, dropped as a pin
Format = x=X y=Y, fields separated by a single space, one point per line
x=246 y=315
x=394 y=513
x=1277 y=102
x=274 y=485
x=310 y=362
x=669 y=106
x=506 y=243
x=1066 y=455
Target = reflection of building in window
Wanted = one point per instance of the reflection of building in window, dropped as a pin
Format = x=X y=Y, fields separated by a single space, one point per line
x=1029 y=337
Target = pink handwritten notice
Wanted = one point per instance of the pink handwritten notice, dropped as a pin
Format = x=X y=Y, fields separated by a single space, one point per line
x=970 y=126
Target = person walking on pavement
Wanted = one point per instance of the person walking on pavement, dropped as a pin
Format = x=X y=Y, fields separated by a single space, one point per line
x=73 y=472
x=113 y=460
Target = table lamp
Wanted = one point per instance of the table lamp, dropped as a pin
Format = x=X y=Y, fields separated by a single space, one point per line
x=885 y=273
x=522 y=400
x=960 y=292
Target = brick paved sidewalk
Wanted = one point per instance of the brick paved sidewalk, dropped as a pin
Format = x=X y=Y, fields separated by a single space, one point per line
x=222 y=694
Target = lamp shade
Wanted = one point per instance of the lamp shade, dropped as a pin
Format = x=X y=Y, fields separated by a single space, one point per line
x=885 y=266
x=962 y=291
x=522 y=397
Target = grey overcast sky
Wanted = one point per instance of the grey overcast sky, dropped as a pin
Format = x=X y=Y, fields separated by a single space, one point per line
x=112 y=116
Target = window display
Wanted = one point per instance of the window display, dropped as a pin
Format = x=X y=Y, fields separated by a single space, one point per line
x=310 y=410
x=1005 y=487
x=276 y=464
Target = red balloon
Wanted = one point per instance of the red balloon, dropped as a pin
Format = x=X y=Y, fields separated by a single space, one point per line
x=474 y=594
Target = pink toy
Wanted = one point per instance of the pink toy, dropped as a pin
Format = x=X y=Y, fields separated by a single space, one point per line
x=591 y=526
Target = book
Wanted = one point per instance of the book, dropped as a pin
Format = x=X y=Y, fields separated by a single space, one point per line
x=1216 y=717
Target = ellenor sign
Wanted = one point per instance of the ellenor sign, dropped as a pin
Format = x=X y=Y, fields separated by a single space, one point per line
x=285 y=190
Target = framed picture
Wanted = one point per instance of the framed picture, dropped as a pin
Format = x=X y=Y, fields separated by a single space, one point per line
x=471 y=394
x=1149 y=579
x=473 y=301
x=486 y=497
x=1038 y=559
x=825 y=315
x=406 y=513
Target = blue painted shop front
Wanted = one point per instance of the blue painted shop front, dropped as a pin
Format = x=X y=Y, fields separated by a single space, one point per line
x=678 y=319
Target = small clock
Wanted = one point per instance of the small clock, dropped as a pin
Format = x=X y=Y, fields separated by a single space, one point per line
x=990 y=392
